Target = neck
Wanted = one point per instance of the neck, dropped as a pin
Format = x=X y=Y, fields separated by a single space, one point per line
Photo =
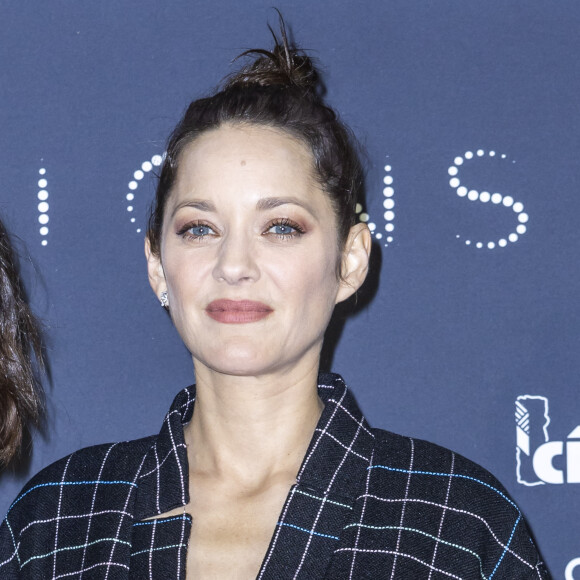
x=252 y=428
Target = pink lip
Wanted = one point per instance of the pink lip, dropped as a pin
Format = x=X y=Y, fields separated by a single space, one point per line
x=237 y=311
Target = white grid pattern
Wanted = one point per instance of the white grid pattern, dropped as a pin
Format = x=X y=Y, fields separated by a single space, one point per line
x=366 y=504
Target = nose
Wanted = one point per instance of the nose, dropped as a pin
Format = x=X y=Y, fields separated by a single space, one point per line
x=236 y=261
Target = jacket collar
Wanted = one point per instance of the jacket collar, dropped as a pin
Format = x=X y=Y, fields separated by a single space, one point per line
x=163 y=482
x=340 y=449
x=334 y=464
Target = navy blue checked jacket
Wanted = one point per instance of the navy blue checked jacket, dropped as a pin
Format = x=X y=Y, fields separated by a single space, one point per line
x=367 y=504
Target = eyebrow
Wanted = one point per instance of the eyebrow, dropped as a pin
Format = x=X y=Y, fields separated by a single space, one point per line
x=263 y=204
x=272 y=202
x=201 y=205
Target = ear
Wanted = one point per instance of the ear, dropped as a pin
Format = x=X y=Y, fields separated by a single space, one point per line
x=355 y=261
x=155 y=270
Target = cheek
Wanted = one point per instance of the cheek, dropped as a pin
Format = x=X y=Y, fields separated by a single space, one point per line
x=184 y=275
x=310 y=279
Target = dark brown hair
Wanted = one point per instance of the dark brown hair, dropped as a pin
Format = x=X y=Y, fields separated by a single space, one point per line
x=20 y=394
x=280 y=88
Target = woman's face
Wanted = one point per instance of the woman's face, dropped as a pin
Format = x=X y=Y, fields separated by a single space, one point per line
x=249 y=253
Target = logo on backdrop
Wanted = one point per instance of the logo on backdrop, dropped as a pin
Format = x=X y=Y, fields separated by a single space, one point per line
x=384 y=233
x=539 y=460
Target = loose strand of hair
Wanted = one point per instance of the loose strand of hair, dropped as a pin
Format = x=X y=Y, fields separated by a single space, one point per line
x=21 y=401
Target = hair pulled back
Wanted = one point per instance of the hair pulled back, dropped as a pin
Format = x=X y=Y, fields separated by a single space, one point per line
x=280 y=88
x=20 y=395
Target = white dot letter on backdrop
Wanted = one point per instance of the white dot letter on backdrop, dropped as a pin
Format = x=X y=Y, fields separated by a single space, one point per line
x=486 y=197
x=133 y=185
x=572 y=565
x=388 y=204
x=389 y=214
x=43 y=206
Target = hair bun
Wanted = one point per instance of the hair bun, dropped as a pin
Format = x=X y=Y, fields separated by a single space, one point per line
x=284 y=65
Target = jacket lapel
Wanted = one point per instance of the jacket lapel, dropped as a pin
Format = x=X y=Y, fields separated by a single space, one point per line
x=163 y=480
x=327 y=485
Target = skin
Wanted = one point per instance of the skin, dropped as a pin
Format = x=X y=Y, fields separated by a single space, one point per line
x=246 y=220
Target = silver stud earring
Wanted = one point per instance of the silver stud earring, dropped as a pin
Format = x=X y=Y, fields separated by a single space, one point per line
x=163 y=300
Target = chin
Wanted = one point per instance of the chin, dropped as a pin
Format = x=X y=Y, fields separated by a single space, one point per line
x=238 y=360
x=240 y=369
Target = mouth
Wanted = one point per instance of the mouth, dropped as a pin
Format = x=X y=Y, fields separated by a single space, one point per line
x=237 y=311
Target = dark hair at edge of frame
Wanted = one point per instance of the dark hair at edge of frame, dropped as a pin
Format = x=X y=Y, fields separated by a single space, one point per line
x=279 y=89
x=21 y=401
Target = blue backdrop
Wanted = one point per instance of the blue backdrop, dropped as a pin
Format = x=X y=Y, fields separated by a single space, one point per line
x=469 y=112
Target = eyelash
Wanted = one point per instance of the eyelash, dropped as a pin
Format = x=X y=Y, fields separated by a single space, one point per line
x=298 y=229
x=184 y=231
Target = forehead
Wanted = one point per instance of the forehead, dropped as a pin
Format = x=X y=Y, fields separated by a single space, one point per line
x=246 y=157
x=237 y=137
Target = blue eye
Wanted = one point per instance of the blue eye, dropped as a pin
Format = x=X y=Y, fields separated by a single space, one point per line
x=200 y=231
x=282 y=230
x=196 y=231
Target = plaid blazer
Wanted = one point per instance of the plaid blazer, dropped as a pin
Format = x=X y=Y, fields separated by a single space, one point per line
x=366 y=504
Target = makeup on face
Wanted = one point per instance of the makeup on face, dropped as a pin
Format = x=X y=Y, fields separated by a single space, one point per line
x=249 y=252
x=237 y=311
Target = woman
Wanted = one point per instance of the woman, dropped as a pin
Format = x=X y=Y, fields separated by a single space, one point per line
x=265 y=468
x=20 y=393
